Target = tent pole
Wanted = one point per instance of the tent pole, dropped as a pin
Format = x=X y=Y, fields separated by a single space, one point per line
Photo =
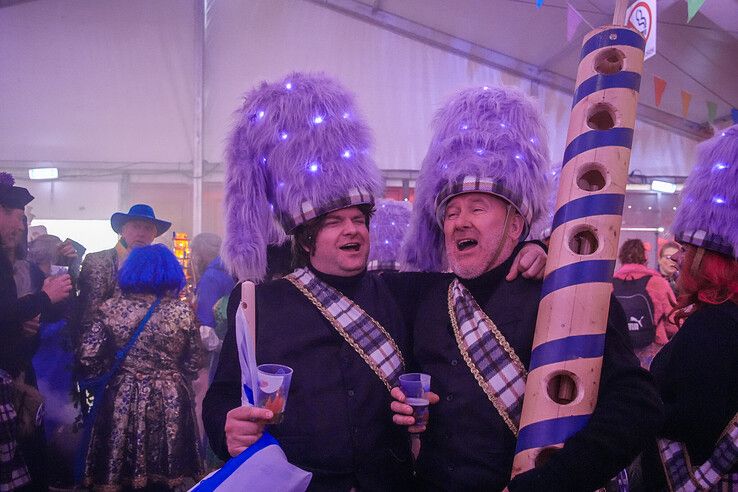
x=199 y=52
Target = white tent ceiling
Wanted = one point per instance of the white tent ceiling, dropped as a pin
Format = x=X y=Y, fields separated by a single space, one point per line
x=110 y=89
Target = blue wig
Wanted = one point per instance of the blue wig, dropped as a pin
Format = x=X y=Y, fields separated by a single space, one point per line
x=151 y=270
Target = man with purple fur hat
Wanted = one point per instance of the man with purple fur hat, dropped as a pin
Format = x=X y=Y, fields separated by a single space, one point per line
x=481 y=185
x=300 y=163
x=98 y=278
x=389 y=225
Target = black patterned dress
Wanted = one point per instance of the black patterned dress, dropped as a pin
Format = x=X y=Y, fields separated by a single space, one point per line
x=145 y=431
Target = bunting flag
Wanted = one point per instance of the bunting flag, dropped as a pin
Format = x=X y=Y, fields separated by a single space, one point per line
x=659 y=85
x=539 y=3
x=693 y=6
x=572 y=22
x=734 y=115
x=686 y=99
x=711 y=111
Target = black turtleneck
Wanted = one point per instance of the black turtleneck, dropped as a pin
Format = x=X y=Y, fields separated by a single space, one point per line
x=482 y=287
x=337 y=423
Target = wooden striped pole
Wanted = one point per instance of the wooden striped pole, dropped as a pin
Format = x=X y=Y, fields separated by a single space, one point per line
x=566 y=359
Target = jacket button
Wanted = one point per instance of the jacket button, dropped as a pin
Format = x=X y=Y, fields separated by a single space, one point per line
x=449 y=397
x=454 y=362
x=450 y=468
x=351 y=392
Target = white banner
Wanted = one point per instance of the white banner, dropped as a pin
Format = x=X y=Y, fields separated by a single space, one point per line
x=642 y=17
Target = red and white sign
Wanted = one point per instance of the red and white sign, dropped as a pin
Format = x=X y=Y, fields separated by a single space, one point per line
x=642 y=17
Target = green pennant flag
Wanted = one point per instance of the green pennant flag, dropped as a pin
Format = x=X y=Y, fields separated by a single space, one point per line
x=711 y=111
x=692 y=7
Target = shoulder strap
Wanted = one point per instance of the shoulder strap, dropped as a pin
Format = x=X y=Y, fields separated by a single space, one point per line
x=123 y=351
x=362 y=332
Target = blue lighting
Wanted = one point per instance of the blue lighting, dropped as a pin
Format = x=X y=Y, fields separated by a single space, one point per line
x=346 y=154
x=318 y=120
x=719 y=200
x=464 y=126
x=288 y=86
x=393 y=222
x=719 y=166
x=480 y=151
x=518 y=156
x=502 y=125
x=313 y=168
x=386 y=241
x=280 y=184
x=345 y=116
x=485 y=88
x=263 y=160
x=260 y=114
x=283 y=135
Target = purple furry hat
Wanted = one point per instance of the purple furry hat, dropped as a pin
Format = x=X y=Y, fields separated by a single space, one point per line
x=299 y=149
x=486 y=139
x=708 y=214
x=541 y=229
x=387 y=228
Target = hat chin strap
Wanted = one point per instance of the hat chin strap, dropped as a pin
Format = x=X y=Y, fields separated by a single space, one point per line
x=694 y=268
x=506 y=226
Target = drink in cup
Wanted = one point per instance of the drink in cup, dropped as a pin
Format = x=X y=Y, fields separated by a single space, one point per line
x=420 y=410
x=58 y=270
x=415 y=384
x=273 y=387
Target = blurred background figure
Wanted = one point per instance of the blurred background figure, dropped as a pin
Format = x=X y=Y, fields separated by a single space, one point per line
x=647 y=300
x=53 y=363
x=667 y=266
x=212 y=283
x=145 y=433
x=387 y=228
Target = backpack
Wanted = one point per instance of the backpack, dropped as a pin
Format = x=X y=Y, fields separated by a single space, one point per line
x=638 y=308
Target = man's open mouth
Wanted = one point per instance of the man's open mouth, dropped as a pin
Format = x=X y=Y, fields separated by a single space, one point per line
x=350 y=247
x=466 y=244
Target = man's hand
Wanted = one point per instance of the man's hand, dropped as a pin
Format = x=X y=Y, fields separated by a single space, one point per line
x=57 y=287
x=403 y=413
x=530 y=261
x=66 y=251
x=31 y=327
x=244 y=426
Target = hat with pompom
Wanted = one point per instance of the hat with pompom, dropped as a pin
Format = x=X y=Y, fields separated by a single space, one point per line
x=12 y=196
x=488 y=140
x=708 y=214
x=387 y=228
x=299 y=149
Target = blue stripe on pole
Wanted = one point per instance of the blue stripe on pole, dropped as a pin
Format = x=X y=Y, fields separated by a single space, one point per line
x=619 y=80
x=583 y=272
x=623 y=37
x=602 y=204
x=614 y=137
x=232 y=464
x=549 y=432
x=569 y=348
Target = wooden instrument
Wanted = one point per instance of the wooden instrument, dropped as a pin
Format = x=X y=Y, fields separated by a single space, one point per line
x=566 y=359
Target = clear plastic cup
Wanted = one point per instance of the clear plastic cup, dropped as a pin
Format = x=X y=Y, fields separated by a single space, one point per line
x=420 y=410
x=415 y=384
x=58 y=270
x=274 y=386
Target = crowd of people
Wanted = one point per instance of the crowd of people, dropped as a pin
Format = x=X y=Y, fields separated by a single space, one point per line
x=143 y=387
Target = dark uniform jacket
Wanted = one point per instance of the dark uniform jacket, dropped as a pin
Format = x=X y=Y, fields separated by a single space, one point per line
x=467 y=445
x=14 y=356
x=696 y=374
x=337 y=424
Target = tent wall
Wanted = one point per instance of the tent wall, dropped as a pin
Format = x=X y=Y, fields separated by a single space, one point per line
x=106 y=88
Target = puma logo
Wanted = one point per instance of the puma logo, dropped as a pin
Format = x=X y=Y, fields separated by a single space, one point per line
x=635 y=324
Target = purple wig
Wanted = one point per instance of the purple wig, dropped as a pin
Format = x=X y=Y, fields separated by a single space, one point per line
x=708 y=214
x=299 y=149
x=484 y=139
x=388 y=227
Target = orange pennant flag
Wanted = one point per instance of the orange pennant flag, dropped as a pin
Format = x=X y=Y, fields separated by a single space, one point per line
x=686 y=99
x=659 y=85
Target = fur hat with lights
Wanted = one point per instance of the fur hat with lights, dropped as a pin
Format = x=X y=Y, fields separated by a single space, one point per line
x=299 y=149
x=485 y=139
x=708 y=214
x=387 y=228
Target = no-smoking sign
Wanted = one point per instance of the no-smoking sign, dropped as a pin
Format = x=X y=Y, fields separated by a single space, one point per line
x=642 y=17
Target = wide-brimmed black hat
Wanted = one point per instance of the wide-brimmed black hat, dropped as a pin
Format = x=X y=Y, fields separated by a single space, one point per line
x=140 y=211
x=12 y=196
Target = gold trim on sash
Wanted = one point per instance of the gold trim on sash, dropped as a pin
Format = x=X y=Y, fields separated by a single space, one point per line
x=464 y=349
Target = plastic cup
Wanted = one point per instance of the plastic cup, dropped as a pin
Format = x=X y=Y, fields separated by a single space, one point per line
x=274 y=386
x=58 y=270
x=420 y=410
x=415 y=384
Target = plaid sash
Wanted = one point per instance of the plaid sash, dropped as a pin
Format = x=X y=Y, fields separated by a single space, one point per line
x=365 y=335
x=492 y=361
x=713 y=474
